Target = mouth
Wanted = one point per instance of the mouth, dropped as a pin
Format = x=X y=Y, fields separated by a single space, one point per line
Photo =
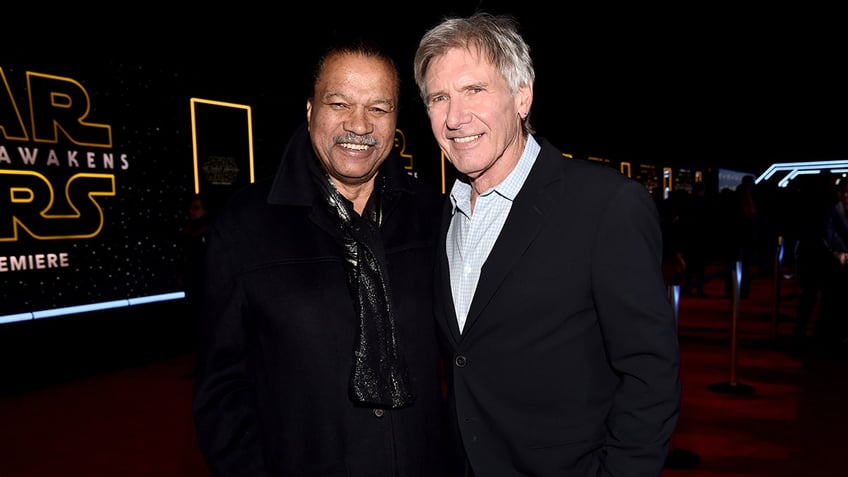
x=354 y=146
x=465 y=139
x=355 y=142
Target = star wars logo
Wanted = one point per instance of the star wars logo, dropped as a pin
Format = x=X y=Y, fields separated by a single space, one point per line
x=31 y=200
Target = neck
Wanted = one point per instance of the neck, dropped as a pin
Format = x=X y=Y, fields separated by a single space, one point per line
x=499 y=170
x=358 y=194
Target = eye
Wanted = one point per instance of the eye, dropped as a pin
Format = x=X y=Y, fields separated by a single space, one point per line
x=378 y=110
x=338 y=106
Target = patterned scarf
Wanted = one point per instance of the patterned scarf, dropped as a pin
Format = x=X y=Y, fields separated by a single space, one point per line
x=379 y=376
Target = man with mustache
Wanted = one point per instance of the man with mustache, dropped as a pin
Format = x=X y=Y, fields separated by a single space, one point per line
x=318 y=352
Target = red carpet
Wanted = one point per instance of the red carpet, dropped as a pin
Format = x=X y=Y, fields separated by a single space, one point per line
x=135 y=422
x=766 y=413
x=131 y=423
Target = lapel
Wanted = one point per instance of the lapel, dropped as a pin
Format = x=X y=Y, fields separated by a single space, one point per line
x=528 y=214
x=444 y=295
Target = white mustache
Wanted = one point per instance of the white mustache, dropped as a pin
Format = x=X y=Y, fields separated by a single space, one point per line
x=356 y=139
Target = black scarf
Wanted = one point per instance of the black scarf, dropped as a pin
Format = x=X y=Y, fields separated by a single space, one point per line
x=379 y=376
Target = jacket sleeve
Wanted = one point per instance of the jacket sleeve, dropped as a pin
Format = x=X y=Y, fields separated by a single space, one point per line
x=223 y=400
x=640 y=333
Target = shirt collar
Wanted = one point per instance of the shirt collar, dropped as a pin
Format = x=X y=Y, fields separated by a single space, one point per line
x=460 y=195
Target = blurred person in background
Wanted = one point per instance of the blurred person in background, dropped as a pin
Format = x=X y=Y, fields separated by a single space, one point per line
x=833 y=321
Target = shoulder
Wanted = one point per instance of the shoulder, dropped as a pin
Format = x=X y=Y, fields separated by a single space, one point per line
x=250 y=195
x=582 y=174
x=403 y=182
x=242 y=204
x=422 y=200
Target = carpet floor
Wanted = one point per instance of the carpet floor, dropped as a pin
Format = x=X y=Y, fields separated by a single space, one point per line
x=750 y=407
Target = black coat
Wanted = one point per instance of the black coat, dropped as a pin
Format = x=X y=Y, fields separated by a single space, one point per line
x=272 y=396
x=568 y=364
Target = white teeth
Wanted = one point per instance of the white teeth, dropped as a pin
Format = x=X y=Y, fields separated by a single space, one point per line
x=466 y=139
x=357 y=147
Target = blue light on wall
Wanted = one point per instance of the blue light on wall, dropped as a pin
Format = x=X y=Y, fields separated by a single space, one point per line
x=34 y=315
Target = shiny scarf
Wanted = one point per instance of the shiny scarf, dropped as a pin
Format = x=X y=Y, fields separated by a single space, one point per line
x=379 y=376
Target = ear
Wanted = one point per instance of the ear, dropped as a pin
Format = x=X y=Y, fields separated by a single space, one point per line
x=524 y=99
x=308 y=111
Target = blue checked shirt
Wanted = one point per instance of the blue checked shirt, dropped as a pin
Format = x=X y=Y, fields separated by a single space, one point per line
x=471 y=236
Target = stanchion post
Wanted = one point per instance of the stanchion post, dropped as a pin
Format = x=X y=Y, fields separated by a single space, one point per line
x=679 y=458
x=775 y=288
x=734 y=324
x=731 y=386
x=674 y=298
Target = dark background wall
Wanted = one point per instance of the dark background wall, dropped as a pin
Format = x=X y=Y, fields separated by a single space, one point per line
x=737 y=86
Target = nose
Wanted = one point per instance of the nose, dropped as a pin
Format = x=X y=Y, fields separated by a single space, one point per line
x=358 y=122
x=457 y=114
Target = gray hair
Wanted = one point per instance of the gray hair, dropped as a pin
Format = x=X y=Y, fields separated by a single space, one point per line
x=495 y=37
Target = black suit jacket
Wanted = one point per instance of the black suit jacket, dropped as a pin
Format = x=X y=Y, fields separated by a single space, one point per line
x=568 y=363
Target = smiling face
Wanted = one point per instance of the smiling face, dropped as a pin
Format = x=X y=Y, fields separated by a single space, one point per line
x=474 y=117
x=352 y=117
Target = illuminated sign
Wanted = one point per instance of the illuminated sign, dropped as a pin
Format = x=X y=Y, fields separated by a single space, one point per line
x=794 y=169
x=92 y=191
x=218 y=159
